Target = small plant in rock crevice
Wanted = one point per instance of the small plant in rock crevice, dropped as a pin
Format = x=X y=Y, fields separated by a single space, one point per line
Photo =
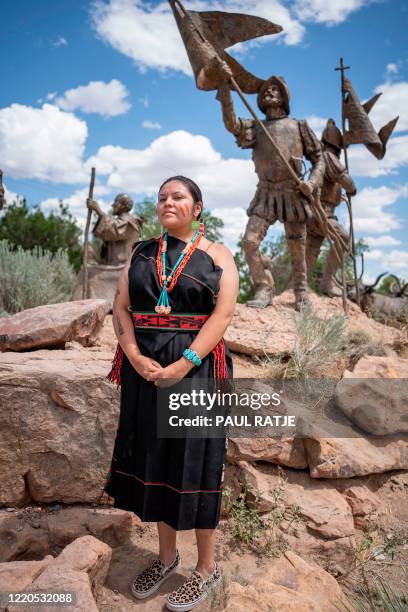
x=260 y=533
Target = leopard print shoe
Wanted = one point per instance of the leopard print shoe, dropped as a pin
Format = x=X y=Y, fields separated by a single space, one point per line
x=149 y=580
x=192 y=592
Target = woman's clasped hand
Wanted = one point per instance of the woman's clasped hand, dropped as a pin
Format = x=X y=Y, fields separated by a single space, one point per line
x=161 y=376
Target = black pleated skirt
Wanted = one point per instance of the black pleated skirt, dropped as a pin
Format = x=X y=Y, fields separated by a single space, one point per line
x=177 y=481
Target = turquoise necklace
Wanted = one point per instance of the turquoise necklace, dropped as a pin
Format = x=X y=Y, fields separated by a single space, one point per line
x=167 y=282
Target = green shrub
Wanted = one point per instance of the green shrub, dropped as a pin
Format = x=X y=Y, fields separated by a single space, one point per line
x=318 y=341
x=31 y=228
x=33 y=278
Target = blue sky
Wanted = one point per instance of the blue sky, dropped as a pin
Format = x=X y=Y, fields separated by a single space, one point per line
x=108 y=83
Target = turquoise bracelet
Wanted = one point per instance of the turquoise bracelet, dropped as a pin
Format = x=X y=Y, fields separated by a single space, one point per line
x=192 y=356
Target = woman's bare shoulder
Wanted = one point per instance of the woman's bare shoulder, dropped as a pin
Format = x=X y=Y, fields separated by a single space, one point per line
x=219 y=252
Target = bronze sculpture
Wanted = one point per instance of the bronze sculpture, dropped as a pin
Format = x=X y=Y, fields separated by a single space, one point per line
x=206 y=35
x=2 y=196
x=278 y=196
x=335 y=178
x=118 y=232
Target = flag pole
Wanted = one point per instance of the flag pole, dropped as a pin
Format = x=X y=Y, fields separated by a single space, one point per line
x=86 y=238
x=342 y=68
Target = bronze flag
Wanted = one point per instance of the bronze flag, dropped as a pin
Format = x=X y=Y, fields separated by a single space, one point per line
x=360 y=130
x=207 y=33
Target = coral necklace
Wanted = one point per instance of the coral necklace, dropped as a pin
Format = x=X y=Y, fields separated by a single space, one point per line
x=167 y=282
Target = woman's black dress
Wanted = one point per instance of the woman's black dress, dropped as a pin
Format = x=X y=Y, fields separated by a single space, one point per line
x=178 y=481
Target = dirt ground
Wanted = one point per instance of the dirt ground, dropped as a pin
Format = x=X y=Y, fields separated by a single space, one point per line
x=385 y=535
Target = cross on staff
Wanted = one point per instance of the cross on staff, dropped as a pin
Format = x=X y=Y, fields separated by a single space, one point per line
x=342 y=68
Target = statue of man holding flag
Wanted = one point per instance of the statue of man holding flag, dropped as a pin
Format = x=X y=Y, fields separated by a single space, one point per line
x=278 y=197
x=279 y=143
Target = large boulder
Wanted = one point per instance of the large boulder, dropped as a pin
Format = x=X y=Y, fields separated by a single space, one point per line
x=33 y=532
x=285 y=450
x=375 y=395
x=272 y=330
x=290 y=584
x=355 y=456
x=81 y=569
x=53 y=325
x=18 y=575
x=324 y=510
x=57 y=434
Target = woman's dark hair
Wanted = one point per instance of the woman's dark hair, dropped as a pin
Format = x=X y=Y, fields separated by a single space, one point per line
x=192 y=187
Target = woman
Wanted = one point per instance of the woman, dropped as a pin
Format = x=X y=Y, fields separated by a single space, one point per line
x=174 y=482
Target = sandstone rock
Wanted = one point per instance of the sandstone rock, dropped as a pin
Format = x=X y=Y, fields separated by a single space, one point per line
x=81 y=568
x=356 y=456
x=57 y=436
x=290 y=584
x=272 y=330
x=324 y=509
x=375 y=395
x=31 y=534
x=52 y=325
x=231 y=484
x=57 y=579
x=87 y=554
x=362 y=502
x=282 y=451
x=110 y=525
x=18 y=575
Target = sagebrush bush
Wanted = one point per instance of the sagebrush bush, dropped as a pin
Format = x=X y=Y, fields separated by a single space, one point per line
x=33 y=278
x=318 y=341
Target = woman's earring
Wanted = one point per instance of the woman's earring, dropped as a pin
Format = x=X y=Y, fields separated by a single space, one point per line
x=195 y=224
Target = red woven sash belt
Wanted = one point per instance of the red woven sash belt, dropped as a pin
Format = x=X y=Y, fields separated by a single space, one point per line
x=167 y=322
x=183 y=321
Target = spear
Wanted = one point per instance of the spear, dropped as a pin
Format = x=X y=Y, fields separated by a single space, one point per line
x=334 y=237
x=342 y=68
x=86 y=238
x=2 y=200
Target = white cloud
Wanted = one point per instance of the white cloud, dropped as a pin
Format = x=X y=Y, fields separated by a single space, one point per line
x=151 y=125
x=60 y=42
x=42 y=143
x=148 y=33
x=363 y=163
x=391 y=70
x=395 y=262
x=10 y=196
x=331 y=12
x=381 y=241
x=109 y=99
x=374 y=255
x=369 y=209
x=235 y=220
x=226 y=183
x=393 y=102
x=77 y=203
x=317 y=124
